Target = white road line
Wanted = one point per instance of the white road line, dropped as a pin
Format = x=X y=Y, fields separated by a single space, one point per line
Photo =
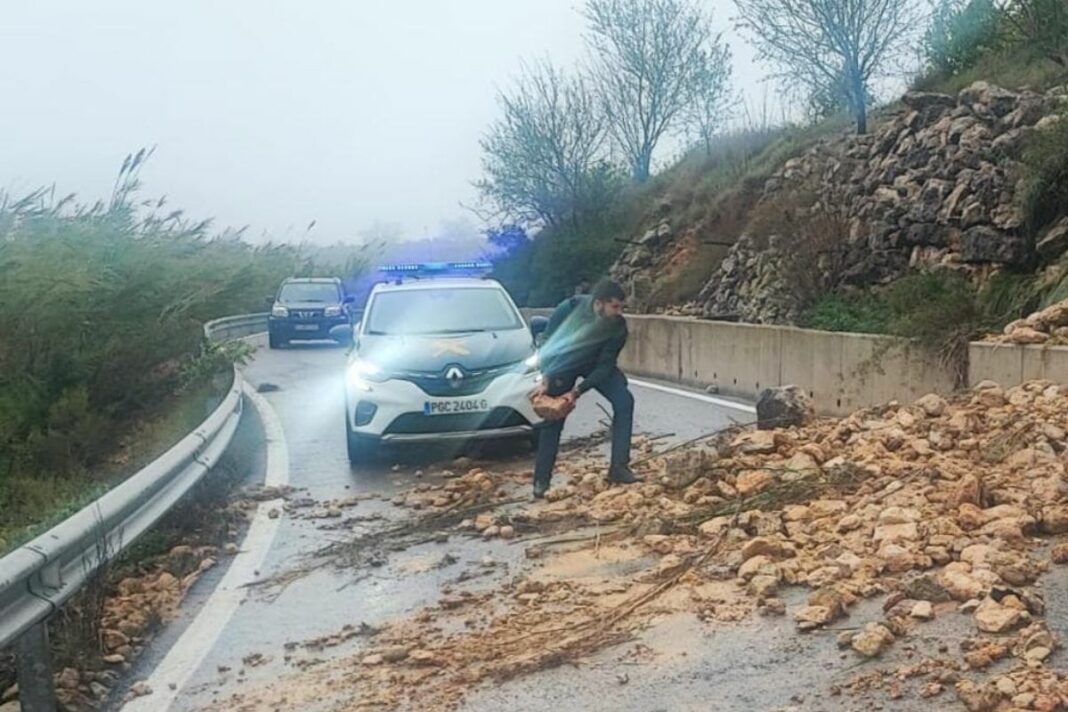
x=183 y=659
x=696 y=396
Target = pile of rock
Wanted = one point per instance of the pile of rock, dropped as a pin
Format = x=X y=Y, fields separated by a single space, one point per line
x=1049 y=326
x=933 y=186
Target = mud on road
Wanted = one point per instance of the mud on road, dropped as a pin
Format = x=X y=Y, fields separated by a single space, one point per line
x=903 y=558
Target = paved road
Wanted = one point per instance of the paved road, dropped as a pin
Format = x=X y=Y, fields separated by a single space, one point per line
x=202 y=659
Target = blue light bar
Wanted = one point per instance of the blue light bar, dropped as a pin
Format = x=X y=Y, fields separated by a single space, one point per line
x=436 y=267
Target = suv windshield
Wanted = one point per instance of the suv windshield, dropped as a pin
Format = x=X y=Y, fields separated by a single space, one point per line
x=441 y=311
x=309 y=292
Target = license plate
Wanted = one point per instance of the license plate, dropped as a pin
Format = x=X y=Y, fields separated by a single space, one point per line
x=306 y=327
x=456 y=405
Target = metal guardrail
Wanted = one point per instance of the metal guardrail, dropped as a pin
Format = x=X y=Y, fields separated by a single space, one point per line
x=40 y=576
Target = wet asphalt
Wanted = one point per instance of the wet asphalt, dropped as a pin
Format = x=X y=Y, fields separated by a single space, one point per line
x=304 y=385
x=759 y=664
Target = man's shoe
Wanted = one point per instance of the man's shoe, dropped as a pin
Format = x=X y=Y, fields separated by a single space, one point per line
x=539 y=491
x=623 y=476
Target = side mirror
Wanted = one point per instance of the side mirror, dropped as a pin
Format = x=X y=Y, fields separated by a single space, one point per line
x=538 y=325
x=268 y=302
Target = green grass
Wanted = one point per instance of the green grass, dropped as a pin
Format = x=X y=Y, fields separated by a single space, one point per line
x=31 y=504
x=1011 y=67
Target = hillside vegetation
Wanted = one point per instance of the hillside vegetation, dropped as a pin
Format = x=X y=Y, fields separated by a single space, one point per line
x=101 y=308
x=781 y=225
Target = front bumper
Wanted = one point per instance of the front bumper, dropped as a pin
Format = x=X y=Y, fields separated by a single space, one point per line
x=399 y=417
x=310 y=329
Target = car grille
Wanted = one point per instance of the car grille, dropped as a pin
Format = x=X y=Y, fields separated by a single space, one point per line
x=417 y=423
x=435 y=384
x=305 y=314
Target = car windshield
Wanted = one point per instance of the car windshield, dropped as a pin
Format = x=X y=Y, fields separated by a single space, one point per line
x=309 y=292
x=441 y=311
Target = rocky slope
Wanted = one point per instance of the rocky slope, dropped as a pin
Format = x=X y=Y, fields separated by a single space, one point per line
x=933 y=186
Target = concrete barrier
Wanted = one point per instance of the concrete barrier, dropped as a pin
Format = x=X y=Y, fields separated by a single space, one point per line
x=1010 y=365
x=840 y=371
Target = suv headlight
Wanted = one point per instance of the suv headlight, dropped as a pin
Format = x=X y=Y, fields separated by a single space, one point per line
x=332 y=311
x=279 y=311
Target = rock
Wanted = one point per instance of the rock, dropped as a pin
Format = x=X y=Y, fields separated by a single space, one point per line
x=786 y=406
x=394 y=654
x=1059 y=554
x=763 y=586
x=924 y=587
x=424 y=658
x=992 y=617
x=114 y=659
x=907 y=531
x=68 y=679
x=849 y=523
x=762 y=546
x=960 y=586
x=985 y=244
x=969 y=490
x=230 y=549
x=755 y=443
x=507 y=532
x=922 y=610
x=372 y=660
x=753 y=482
x=872 y=640
x=141 y=689
x=1054 y=242
x=932 y=404
x=978 y=698
x=814 y=616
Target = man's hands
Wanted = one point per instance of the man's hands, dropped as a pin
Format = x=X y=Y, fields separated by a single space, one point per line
x=572 y=397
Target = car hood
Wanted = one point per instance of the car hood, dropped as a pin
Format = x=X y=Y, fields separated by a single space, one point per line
x=433 y=353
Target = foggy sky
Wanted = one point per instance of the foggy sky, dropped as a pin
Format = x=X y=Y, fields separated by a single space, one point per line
x=276 y=113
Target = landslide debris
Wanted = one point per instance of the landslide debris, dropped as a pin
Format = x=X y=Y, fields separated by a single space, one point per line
x=939 y=508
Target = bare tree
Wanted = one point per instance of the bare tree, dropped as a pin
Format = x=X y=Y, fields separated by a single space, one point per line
x=652 y=59
x=711 y=101
x=818 y=42
x=540 y=156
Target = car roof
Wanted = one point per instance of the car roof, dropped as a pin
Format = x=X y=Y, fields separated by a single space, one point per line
x=437 y=283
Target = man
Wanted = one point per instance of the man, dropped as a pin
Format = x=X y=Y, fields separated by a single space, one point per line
x=583 y=340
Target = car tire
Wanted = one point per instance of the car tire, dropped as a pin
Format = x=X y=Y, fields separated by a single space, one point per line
x=274 y=341
x=362 y=450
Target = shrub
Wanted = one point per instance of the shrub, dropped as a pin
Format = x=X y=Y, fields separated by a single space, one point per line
x=101 y=308
x=961 y=31
x=1045 y=175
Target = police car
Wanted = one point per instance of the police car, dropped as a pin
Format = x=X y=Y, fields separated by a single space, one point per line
x=440 y=354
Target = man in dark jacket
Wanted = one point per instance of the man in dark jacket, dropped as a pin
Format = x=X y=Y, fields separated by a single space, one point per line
x=583 y=340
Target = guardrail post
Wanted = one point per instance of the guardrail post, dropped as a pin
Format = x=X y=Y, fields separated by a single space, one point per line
x=37 y=691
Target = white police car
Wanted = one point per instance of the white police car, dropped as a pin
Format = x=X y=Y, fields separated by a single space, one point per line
x=439 y=354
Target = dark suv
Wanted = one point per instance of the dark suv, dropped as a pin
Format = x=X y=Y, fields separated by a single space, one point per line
x=310 y=308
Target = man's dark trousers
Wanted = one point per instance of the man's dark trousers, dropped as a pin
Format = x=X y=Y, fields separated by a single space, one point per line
x=618 y=394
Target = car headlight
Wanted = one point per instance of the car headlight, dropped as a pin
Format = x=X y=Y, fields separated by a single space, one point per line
x=279 y=311
x=332 y=311
x=362 y=373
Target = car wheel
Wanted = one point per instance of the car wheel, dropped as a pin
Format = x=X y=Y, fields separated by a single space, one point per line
x=361 y=449
x=274 y=341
